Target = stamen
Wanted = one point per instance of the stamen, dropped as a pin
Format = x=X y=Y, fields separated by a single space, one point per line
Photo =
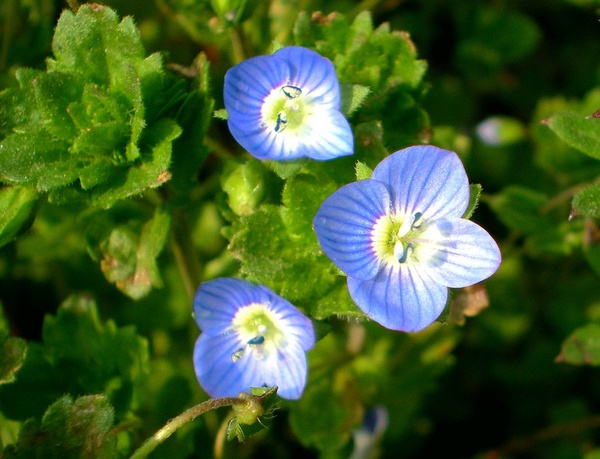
x=405 y=253
x=291 y=92
x=281 y=122
x=237 y=355
x=256 y=340
x=417 y=221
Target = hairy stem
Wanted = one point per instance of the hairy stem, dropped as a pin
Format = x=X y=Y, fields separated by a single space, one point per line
x=170 y=427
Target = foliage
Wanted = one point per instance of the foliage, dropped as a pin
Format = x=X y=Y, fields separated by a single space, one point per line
x=122 y=189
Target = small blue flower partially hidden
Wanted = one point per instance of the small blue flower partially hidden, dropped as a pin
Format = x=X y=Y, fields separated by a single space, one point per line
x=287 y=105
x=400 y=238
x=251 y=337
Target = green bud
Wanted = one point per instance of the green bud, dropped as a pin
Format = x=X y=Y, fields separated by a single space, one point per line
x=247 y=413
x=500 y=131
x=245 y=187
x=229 y=10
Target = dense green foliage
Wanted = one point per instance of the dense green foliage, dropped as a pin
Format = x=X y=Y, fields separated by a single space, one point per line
x=121 y=190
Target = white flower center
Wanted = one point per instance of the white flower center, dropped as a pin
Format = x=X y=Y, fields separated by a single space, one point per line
x=396 y=240
x=284 y=109
x=256 y=327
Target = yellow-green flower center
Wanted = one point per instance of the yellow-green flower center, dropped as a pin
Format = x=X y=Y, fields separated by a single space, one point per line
x=284 y=109
x=395 y=238
x=257 y=329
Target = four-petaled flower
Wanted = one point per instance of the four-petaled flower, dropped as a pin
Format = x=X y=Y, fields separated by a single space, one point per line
x=250 y=337
x=400 y=238
x=287 y=105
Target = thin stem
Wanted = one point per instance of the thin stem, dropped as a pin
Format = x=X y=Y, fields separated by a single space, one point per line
x=218 y=149
x=170 y=427
x=237 y=45
x=74 y=5
x=563 y=196
x=543 y=435
x=182 y=248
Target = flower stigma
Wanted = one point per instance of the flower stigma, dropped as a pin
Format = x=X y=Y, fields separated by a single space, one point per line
x=283 y=108
x=256 y=326
x=394 y=238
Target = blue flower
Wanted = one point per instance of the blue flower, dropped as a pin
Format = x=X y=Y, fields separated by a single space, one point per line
x=400 y=238
x=287 y=105
x=250 y=337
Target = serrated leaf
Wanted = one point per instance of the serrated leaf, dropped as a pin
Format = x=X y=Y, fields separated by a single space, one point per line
x=54 y=92
x=303 y=194
x=353 y=96
x=586 y=202
x=12 y=354
x=34 y=159
x=577 y=131
x=582 y=347
x=81 y=40
x=151 y=173
x=362 y=171
x=70 y=427
x=79 y=355
x=17 y=210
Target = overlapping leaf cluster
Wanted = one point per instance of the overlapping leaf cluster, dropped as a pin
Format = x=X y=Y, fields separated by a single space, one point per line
x=102 y=124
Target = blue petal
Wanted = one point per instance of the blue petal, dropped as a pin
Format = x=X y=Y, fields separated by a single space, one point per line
x=344 y=224
x=287 y=370
x=314 y=74
x=217 y=301
x=220 y=376
x=460 y=253
x=247 y=84
x=245 y=89
x=400 y=298
x=425 y=179
x=296 y=327
x=217 y=373
x=324 y=135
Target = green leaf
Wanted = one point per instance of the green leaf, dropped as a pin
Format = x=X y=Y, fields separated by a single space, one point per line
x=353 y=96
x=487 y=41
x=582 y=347
x=33 y=159
x=152 y=173
x=362 y=171
x=577 y=131
x=70 y=427
x=81 y=41
x=475 y=192
x=519 y=209
x=127 y=250
x=17 y=210
x=221 y=114
x=246 y=185
x=79 y=355
x=98 y=125
x=12 y=354
x=586 y=202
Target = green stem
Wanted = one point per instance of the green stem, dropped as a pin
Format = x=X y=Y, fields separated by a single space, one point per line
x=170 y=427
x=74 y=5
x=219 y=150
x=237 y=45
x=185 y=255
